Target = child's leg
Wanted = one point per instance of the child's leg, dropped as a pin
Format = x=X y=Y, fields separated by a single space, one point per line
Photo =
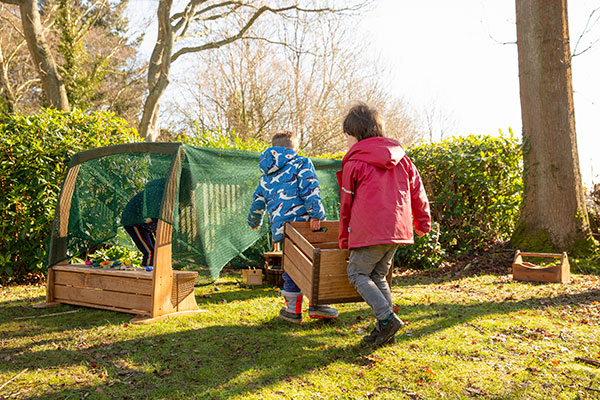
x=363 y=262
x=144 y=241
x=379 y=274
x=288 y=283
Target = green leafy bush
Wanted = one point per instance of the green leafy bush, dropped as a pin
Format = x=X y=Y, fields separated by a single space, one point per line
x=34 y=151
x=474 y=184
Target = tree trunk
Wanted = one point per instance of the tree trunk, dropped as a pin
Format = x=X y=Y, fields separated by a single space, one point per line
x=7 y=93
x=158 y=73
x=52 y=83
x=554 y=215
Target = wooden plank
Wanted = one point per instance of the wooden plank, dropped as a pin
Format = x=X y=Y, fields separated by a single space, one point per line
x=327 y=245
x=162 y=283
x=298 y=240
x=302 y=263
x=330 y=235
x=334 y=281
x=50 y=286
x=105 y=307
x=122 y=284
x=98 y=298
x=338 y=300
x=81 y=268
x=548 y=274
x=548 y=255
x=66 y=195
x=300 y=279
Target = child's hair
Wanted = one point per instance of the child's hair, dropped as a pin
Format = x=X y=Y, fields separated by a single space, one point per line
x=284 y=139
x=363 y=122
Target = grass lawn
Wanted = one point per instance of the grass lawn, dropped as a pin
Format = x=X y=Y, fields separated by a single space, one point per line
x=466 y=337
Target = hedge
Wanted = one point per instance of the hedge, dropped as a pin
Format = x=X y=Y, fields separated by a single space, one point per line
x=34 y=151
x=474 y=186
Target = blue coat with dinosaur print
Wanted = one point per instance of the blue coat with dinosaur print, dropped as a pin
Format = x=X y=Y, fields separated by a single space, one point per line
x=288 y=190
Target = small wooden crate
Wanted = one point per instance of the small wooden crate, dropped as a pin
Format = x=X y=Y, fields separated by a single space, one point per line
x=316 y=264
x=274 y=268
x=526 y=271
x=252 y=276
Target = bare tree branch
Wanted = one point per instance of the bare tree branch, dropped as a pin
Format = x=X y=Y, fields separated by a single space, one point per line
x=586 y=29
x=246 y=27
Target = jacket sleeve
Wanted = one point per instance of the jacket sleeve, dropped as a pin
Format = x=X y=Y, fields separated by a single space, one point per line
x=347 y=190
x=257 y=208
x=309 y=191
x=419 y=203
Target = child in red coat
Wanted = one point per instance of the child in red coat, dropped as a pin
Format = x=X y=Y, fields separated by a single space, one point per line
x=382 y=196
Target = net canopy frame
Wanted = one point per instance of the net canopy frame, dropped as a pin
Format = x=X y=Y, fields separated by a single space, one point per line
x=202 y=208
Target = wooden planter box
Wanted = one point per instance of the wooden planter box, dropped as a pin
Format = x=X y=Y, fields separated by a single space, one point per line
x=314 y=261
x=273 y=267
x=526 y=271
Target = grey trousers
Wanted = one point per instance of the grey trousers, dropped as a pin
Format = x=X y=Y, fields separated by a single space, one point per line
x=367 y=269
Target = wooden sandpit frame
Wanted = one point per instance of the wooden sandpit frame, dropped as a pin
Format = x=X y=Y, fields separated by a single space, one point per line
x=151 y=296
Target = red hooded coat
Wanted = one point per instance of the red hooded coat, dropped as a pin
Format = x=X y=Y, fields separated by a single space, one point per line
x=381 y=195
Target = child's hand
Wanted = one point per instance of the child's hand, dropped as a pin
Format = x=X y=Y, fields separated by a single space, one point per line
x=315 y=224
x=419 y=233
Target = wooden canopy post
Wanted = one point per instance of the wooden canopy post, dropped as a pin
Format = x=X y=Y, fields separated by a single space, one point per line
x=172 y=291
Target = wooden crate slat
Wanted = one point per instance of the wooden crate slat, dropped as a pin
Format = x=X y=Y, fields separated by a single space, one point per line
x=550 y=274
x=141 y=274
x=327 y=245
x=333 y=282
x=301 y=281
x=331 y=235
x=301 y=261
x=105 y=282
x=292 y=234
x=102 y=297
x=337 y=288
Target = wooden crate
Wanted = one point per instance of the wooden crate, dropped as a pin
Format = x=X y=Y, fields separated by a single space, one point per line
x=314 y=261
x=252 y=276
x=526 y=271
x=273 y=267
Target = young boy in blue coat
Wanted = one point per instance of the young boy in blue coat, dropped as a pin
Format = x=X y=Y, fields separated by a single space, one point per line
x=289 y=191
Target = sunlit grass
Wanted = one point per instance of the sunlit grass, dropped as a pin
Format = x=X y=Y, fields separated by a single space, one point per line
x=466 y=337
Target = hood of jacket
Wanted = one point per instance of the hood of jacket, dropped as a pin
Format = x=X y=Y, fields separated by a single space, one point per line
x=381 y=152
x=275 y=158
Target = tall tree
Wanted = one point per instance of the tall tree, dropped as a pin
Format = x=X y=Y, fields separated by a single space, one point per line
x=43 y=60
x=83 y=44
x=205 y=25
x=554 y=212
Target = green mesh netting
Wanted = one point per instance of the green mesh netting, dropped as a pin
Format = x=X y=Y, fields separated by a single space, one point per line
x=204 y=193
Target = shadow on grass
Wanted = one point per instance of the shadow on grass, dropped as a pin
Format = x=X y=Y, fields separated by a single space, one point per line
x=224 y=360
x=202 y=363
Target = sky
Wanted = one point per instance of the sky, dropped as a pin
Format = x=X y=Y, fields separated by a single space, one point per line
x=461 y=56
